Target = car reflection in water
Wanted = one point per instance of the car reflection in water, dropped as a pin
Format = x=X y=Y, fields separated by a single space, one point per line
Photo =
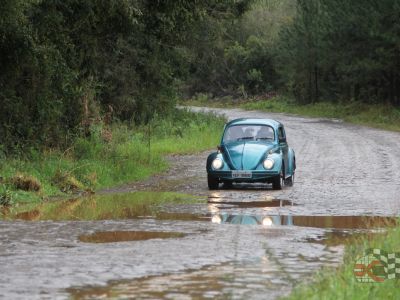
x=225 y=218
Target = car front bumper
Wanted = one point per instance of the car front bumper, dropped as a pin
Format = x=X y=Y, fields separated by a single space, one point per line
x=256 y=176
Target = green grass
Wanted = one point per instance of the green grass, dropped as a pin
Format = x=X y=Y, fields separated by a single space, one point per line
x=373 y=115
x=342 y=284
x=110 y=156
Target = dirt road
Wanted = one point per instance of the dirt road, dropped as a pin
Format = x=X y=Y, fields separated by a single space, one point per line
x=343 y=170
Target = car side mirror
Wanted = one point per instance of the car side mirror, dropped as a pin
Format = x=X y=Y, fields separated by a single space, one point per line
x=282 y=140
x=219 y=148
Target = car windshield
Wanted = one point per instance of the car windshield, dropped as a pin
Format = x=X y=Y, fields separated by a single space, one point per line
x=248 y=132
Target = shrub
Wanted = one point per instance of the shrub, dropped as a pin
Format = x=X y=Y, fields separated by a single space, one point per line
x=25 y=182
x=66 y=182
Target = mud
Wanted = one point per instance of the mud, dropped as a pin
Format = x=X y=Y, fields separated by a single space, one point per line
x=344 y=172
x=126 y=236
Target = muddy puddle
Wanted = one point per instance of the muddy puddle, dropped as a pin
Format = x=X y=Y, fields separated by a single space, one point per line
x=166 y=245
x=219 y=210
x=127 y=236
x=99 y=207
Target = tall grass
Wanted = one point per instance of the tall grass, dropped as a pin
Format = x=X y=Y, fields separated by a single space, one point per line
x=113 y=155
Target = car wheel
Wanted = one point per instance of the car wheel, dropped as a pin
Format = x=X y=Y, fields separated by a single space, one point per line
x=277 y=183
x=213 y=183
x=290 y=181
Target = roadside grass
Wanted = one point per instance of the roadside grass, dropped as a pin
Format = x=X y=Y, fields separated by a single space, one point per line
x=382 y=116
x=97 y=207
x=109 y=157
x=342 y=284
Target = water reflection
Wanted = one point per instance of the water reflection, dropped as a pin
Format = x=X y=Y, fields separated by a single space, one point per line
x=254 y=204
x=125 y=236
x=252 y=220
x=337 y=222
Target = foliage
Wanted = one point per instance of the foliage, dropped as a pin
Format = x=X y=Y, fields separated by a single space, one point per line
x=342 y=50
x=6 y=196
x=235 y=57
x=69 y=65
x=65 y=65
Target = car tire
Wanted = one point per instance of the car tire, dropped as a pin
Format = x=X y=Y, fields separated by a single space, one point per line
x=277 y=182
x=290 y=181
x=213 y=183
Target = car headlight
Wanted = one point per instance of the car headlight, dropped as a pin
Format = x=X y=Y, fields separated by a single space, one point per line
x=216 y=219
x=267 y=221
x=268 y=163
x=217 y=164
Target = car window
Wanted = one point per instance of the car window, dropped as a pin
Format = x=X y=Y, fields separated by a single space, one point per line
x=248 y=132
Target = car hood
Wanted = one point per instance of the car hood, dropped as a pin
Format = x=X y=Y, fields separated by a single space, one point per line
x=245 y=155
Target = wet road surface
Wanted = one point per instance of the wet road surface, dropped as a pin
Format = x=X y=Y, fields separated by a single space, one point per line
x=248 y=241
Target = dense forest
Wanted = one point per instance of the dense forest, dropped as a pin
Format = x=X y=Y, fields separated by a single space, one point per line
x=66 y=64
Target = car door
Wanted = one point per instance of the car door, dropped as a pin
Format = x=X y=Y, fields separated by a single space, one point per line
x=284 y=147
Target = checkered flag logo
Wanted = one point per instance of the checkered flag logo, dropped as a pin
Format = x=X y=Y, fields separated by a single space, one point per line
x=390 y=262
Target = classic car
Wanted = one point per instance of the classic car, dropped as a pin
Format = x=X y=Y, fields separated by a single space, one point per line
x=252 y=150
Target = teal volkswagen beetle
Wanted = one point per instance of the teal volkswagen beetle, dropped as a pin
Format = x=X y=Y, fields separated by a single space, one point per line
x=252 y=150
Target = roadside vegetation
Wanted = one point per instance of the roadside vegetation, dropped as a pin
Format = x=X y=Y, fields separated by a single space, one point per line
x=111 y=155
x=342 y=284
x=384 y=116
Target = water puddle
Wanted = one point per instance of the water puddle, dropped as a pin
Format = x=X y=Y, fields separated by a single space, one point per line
x=336 y=237
x=254 y=204
x=172 y=216
x=98 y=207
x=126 y=236
x=334 y=222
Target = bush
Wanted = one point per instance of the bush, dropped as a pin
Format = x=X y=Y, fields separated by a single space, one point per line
x=25 y=182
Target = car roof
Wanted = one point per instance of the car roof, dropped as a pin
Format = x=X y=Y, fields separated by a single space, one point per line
x=254 y=121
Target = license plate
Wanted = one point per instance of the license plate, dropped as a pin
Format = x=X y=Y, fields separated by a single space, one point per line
x=241 y=174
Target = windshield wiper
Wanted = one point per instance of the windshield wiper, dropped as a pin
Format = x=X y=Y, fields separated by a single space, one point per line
x=246 y=138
